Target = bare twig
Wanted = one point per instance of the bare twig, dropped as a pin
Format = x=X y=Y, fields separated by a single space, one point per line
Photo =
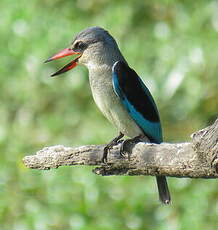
x=197 y=159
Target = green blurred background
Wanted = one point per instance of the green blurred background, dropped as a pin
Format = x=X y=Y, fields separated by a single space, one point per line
x=173 y=45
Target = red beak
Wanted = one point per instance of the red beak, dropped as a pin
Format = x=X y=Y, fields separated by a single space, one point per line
x=61 y=54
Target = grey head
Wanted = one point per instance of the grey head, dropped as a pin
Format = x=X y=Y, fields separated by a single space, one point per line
x=94 y=34
x=97 y=47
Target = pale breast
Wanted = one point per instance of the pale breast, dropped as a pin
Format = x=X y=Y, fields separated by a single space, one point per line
x=110 y=105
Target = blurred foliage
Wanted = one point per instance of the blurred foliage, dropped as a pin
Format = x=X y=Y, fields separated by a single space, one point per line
x=172 y=44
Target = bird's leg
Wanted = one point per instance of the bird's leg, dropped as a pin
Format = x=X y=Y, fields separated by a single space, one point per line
x=126 y=144
x=110 y=145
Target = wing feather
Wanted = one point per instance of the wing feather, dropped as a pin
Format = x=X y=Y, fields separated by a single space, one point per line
x=137 y=100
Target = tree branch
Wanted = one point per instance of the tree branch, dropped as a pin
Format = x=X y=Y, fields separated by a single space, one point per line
x=196 y=159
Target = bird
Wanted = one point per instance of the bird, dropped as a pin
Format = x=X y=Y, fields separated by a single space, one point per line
x=118 y=92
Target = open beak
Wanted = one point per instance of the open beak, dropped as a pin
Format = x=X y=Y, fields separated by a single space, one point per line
x=64 y=53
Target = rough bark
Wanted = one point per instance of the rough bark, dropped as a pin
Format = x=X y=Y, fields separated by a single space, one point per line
x=196 y=159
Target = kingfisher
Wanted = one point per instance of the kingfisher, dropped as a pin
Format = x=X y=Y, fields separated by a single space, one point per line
x=118 y=91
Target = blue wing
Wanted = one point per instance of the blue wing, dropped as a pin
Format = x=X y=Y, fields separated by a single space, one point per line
x=137 y=100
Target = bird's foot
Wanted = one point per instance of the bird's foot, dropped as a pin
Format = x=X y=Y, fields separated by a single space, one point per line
x=110 y=145
x=127 y=144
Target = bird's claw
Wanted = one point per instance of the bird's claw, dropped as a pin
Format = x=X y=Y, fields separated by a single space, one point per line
x=126 y=146
x=109 y=146
x=105 y=153
x=124 y=149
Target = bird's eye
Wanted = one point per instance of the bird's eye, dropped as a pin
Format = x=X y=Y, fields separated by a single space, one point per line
x=79 y=46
